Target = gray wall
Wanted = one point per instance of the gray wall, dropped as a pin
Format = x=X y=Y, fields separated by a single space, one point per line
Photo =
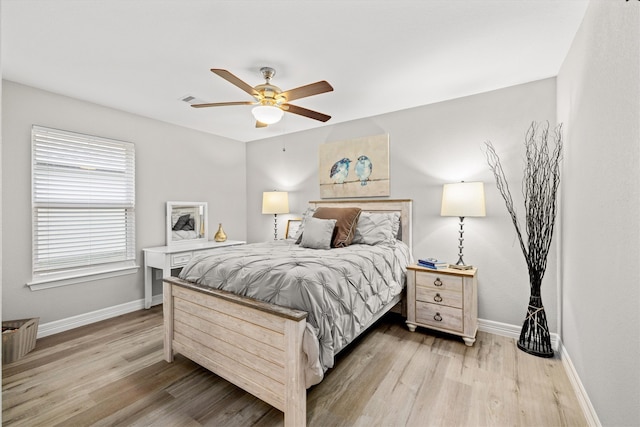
x=172 y=163
x=1 y=259
x=430 y=146
x=599 y=100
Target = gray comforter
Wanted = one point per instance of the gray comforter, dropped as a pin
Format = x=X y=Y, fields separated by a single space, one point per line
x=341 y=289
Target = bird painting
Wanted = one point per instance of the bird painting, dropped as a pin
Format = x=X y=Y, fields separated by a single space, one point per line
x=340 y=170
x=363 y=169
x=346 y=168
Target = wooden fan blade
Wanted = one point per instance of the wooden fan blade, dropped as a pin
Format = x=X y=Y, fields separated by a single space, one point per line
x=261 y=125
x=305 y=112
x=308 y=90
x=234 y=80
x=222 y=104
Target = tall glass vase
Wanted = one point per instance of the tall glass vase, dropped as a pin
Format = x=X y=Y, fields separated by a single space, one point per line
x=535 y=337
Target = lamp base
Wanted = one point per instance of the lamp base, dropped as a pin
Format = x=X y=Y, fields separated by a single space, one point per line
x=460 y=240
x=275 y=226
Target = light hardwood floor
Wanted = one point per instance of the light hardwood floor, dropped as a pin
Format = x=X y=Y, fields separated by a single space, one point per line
x=112 y=374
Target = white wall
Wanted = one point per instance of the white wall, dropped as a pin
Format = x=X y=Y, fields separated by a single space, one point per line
x=599 y=101
x=430 y=146
x=172 y=163
x=0 y=197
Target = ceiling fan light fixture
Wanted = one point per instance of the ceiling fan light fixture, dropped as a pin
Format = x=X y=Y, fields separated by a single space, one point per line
x=267 y=114
x=270 y=101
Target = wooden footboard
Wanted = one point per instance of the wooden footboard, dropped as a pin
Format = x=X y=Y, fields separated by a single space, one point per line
x=252 y=344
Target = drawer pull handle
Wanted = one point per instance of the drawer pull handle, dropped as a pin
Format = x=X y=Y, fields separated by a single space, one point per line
x=437 y=298
x=437 y=317
x=437 y=282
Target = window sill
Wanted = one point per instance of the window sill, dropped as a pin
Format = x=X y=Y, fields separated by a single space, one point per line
x=72 y=278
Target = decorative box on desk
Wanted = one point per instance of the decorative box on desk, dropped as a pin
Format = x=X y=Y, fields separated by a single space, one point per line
x=444 y=299
x=166 y=258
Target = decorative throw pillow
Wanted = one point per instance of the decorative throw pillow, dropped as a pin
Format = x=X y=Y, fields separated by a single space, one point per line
x=307 y=214
x=395 y=223
x=376 y=227
x=318 y=233
x=181 y=222
x=346 y=221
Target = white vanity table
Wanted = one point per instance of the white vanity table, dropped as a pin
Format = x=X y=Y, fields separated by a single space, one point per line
x=187 y=228
x=166 y=258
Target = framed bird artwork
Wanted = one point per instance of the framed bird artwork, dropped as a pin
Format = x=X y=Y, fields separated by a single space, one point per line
x=355 y=168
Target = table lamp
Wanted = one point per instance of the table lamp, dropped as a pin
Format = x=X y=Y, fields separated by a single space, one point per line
x=462 y=199
x=275 y=202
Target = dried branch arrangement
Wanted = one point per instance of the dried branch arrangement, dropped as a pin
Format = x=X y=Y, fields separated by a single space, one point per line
x=540 y=187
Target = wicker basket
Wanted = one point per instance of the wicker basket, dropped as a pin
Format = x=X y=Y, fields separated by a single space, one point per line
x=18 y=338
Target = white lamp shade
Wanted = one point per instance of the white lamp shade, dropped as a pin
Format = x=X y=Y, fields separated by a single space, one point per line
x=463 y=199
x=275 y=202
x=267 y=114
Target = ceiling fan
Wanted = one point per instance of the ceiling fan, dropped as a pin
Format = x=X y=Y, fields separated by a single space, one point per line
x=270 y=101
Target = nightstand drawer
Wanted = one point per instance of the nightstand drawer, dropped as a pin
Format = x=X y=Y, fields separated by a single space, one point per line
x=439 y=281
x=439 y=316
x=181 y=259
x=439 y=296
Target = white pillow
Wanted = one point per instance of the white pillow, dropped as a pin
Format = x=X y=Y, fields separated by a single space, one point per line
x=317 y=233
x=308 y=213
x=377 y=227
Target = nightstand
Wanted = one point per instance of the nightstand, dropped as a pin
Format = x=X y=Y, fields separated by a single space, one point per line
x=445 y=300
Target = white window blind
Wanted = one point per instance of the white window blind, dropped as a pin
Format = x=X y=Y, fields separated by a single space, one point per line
x=83 y=198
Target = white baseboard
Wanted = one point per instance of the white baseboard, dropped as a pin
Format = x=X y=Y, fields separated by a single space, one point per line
x=156 y=299
x=73 y=322
x=585 y=403
x=513 y=331
x=510 y=331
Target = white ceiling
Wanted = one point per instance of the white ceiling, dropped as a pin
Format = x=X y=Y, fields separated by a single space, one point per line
x=143 y=56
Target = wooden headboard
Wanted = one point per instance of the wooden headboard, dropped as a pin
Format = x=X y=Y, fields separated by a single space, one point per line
x=387 y=205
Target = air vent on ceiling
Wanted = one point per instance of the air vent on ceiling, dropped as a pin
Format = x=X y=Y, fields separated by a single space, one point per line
x=190 y=99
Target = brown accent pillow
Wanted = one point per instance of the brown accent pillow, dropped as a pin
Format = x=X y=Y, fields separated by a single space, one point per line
x=346 y=221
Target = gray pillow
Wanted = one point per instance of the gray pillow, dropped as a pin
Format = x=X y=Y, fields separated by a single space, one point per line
x=308 y=213
x=395 y=224
x=377 y=227
x=317 y=233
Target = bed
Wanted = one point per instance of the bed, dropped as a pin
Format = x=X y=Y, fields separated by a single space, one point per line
x=264 y=347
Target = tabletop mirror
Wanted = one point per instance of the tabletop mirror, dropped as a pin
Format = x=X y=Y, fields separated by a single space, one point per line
x=186 y=222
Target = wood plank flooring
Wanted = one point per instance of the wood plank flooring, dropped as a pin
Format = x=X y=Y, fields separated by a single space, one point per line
x=111 y=373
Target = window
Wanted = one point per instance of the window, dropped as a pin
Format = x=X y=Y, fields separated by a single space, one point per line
x=83 y=201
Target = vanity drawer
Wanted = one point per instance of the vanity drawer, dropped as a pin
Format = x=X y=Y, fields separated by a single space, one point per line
x=181 y=259
x=439 y=296
x=439 y=316
x=439 y=281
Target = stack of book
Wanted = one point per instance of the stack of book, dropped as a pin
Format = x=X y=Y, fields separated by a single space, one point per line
x=433 y=263
x=461 y=267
